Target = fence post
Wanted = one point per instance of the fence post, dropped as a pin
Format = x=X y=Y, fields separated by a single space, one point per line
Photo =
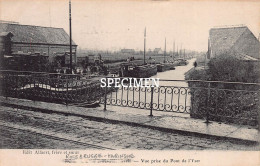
x=6 y=86
x=34 y=86
x=67 y=91
x=17 y=85
x=151 y=104
x=105 y=100
x=207 y=103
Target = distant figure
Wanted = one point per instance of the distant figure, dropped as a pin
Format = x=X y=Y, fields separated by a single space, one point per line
x=195 y=64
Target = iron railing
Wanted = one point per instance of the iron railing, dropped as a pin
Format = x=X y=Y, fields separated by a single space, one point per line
x=211 y=100
x=58 y=88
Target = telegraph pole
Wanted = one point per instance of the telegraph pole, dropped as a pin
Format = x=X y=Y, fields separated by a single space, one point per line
x=50 y=13
x=181 y=51
x=177 y=51
x=164 y=51
x=144 y=43
x=173 y=50
x=184 y=53
x=207 y=53
x=70 y=38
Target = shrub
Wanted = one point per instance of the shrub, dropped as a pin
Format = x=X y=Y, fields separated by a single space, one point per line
x=226 y=102
x=229 y=68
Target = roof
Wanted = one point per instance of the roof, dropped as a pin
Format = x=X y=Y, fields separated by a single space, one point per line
x=4 y=34
x=36 y=34
x=127 y=50
x=222 y=39
x=157 y=49
x=246 y=57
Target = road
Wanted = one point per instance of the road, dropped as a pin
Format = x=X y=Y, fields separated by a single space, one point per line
x=22 y=129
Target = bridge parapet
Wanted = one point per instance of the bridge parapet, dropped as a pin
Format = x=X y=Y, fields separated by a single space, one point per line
x=232 y=102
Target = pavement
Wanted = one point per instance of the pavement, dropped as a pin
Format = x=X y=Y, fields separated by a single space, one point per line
x=163 y=121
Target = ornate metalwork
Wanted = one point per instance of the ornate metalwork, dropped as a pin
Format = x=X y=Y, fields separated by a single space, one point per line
x=52 y=87
x=210 y=100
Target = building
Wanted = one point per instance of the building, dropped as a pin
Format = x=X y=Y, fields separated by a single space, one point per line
x=82 y=61
x=127 y=51
x=29 y=39
x=238 y=41
x=158 y=51
x=5 y=43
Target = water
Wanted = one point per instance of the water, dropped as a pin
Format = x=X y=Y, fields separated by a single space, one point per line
x=170 y=96
x=177 y=74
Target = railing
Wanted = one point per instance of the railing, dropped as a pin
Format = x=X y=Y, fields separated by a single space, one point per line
x=59 y=88
x=39 y=74
x=211 y=100
x=231 y=102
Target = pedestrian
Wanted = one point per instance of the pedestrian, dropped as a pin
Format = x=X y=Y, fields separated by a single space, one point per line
x=195 y=64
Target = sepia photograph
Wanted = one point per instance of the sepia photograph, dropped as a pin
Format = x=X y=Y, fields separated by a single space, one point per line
x=136 y=82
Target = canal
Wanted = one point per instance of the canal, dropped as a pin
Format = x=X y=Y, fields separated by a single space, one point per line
x=177 y=74
x=170 y=96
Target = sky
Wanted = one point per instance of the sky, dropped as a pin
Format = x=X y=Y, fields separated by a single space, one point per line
x=114 y=24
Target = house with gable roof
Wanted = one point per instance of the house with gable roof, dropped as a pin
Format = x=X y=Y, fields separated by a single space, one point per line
x=237 y=41
x=17 y=39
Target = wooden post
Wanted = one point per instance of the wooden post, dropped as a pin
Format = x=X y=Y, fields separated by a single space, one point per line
x=70 y=38
x=164 y=51
x=144 y=43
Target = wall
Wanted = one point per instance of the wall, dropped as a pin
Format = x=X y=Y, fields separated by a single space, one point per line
x=50 y=50
x=5 y=45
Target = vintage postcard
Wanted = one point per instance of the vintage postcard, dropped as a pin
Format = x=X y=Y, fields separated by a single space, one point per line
x=129 y=82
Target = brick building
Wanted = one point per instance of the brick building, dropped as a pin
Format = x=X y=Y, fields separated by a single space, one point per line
x=29 y=39
x=237 y=41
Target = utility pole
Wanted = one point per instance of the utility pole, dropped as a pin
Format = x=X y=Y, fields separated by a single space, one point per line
x=181 y=51
x=144 y=43
x=164 y=51
x=208 y=53
x=70 y=37
x=184 y=53
x=173 y=50
x=50 y=13
x=177 y=51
